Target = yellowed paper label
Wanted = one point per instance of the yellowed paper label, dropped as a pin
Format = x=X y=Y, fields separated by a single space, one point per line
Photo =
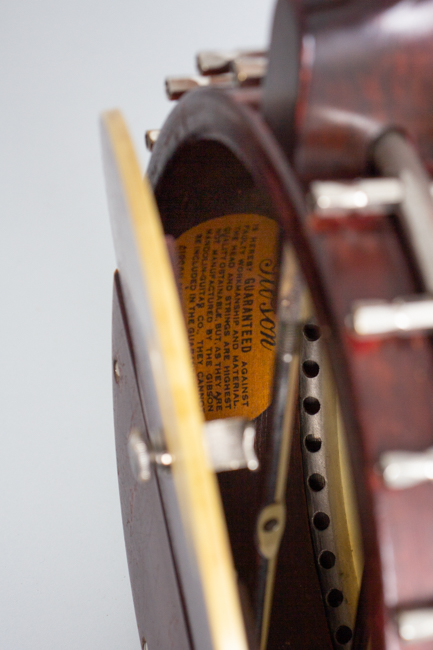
x=228 y=271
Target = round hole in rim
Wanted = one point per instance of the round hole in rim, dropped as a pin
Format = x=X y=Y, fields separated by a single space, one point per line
x=316 y=482
x=310 y=368
x=313 y=443
x=312 y=332
x=327 y=559
x=271 y=525
x=311 y=405
x=321 y=520
x=344 y=634
x=334 y=598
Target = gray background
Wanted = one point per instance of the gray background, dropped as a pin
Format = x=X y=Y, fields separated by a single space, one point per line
x=64 y=580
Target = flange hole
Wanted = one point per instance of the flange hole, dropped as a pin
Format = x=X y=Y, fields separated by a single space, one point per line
x=327 y=559
x=343 y=635
x=311 y=405
x=310 y=368
x=313 y=443
x=316 y=482
x=335 y=598
x=271 y=525
x=312 y=332
x=321 y=521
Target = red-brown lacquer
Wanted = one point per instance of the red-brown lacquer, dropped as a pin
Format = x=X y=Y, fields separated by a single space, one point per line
x=372 y=69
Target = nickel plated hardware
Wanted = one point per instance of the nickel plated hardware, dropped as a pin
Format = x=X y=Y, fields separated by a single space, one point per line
x=272 y=315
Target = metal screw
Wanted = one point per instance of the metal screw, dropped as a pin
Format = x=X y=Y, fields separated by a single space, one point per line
x=150 y=138
x=139 y=456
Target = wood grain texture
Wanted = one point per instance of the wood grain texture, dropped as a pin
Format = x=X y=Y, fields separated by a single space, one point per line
x=162 y=355
x=200 y=172
x=159 y=608
x=364 y=67
x=385 y=387
x=371 y=70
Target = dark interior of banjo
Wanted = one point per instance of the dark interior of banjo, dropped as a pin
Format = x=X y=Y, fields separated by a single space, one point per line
x=209 y=203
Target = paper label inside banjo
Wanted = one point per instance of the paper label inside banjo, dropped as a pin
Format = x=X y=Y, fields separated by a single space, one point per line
x=228 y=275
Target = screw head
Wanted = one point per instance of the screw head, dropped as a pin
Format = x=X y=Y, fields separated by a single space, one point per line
x=139 y=456
x=116 y=370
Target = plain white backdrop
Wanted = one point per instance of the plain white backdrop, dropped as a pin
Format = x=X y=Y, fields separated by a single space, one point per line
x=64 y=580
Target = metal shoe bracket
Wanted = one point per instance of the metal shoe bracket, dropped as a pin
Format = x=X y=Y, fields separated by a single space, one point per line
x=406 y=190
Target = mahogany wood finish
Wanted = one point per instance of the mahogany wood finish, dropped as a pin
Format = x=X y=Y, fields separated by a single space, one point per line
x=197 y=181
x=385 y=387
x=158 y=602
x=365 y=67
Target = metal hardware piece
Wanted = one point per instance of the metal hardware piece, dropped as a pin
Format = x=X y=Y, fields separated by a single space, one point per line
x=216 y=62
x=241 y=70
x=396 y=157
x=404 y=469
x=291 y=305
x=249 y=70
x=270 y=529
x=178 y=86
x=141 y=458
x=230 y=444
x=379 y=318
x=150 y=138
x=331 y=508
x=336 y=198
x=116 y=371
x=416 y=624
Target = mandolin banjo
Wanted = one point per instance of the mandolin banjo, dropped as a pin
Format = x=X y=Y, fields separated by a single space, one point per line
x=272 y=361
